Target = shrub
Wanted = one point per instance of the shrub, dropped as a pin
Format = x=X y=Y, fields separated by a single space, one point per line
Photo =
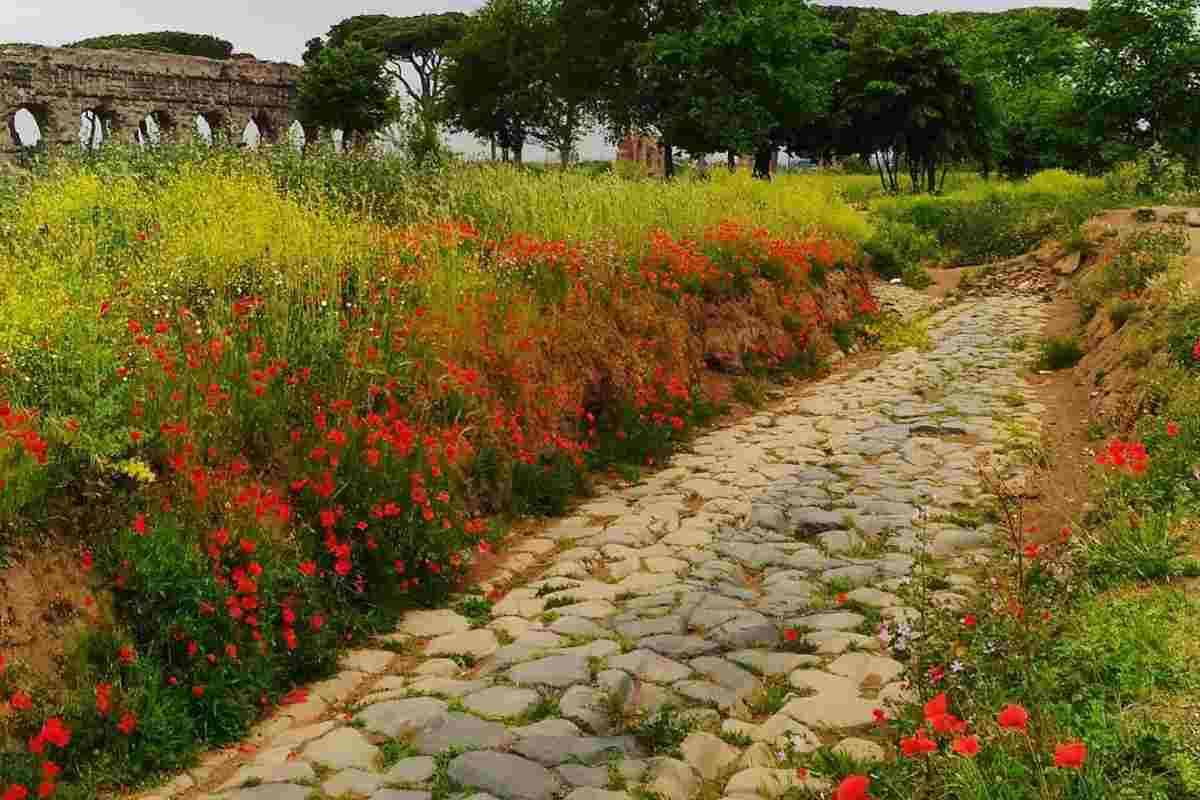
x=1060 y=353
x=1122 y=311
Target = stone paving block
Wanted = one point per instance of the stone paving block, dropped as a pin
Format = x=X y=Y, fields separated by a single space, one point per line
x=416 y=769
x=396 y=718
x=504 y=775
x=461 y=730
x=342 y=748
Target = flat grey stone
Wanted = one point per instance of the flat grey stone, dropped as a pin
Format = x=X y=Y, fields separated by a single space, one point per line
x=397 y=718
x=578 y=626
x=417 y=769
x=811 y=521
x=272 y=791
x=706 y=692
x=477 y=643
x=726 y=673
x=354 y=781
x=585 y=705
x=560 y=671
x=679 y=646
x=577 y=775
x=555 y=750
x=649 y=627
x=548 y=727
x=504 y=775
x=831 y=621
x=501 y=701
x=650 y=666
x=461 y=730
x=342 y=748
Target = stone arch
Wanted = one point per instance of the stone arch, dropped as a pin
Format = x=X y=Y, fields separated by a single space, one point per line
x=29 y=126
x=299 y=136
x=260 y=128
x=211 y=126
x=252 y=134
x=155 y=127
x=97 y=125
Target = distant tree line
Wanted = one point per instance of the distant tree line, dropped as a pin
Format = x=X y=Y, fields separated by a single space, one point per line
x=1012 y=92
x=184 y=44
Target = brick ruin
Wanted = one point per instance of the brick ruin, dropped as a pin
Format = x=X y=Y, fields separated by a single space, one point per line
x=646 y=150
x=123 y=88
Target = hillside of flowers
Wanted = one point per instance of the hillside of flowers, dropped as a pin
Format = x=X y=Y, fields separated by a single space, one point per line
x=282 y=418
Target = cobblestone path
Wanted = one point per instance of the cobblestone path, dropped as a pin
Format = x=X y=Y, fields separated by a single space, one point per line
x=713 y=587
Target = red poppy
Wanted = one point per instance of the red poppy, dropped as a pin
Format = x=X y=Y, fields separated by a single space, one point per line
x=139 y=524
x=50 y=770
x=1032 y=550
x=316 y=622
x=1013 y=717
x=16 y=792
x=128 y=724
x=308 y=568
x=55 y=732
x=966 y=746
x=1070 y=755
x=103 y=698
x=917 y=745
x=126 y=654
x=853 y=787
x=295 y=697
x=936 y=707
x=1172 y=430
x=791 y=634
x=198 y=691
x=20 y=701
x=841 y=598
x=46 y=789
x=880 y=716
x=969 y=620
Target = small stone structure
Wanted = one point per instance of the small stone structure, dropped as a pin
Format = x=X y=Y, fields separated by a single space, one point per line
x=647 y=151
x=643 y=150
x=58 y=85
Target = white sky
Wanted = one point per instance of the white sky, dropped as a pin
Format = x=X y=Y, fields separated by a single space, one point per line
x=277 y=29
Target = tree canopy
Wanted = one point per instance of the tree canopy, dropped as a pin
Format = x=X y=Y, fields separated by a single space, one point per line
x=346 y=88
x=179 y=43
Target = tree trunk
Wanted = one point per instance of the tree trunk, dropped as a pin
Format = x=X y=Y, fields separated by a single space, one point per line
x=762 y=163
x=505 y=154
x=732 y=161
x=518 y=155
x=492 y=141
x=668 y=160
x=564 y=157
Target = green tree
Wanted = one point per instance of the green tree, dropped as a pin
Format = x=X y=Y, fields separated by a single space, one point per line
x=487 y=89
x=636 y=87
x=346 y=87
x=177 y=42
x=414 y=53
x=1141 y=73
x=748 y=76
x=1028 y=58
x=908 y=99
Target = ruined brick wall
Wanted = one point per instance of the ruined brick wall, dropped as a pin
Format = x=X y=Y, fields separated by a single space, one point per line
x=646 y=150
x=643 y=150
x=123 y=87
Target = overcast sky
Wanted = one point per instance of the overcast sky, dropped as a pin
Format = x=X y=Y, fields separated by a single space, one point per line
x=277 y=29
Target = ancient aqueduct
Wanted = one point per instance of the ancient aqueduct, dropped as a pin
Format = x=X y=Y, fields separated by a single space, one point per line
x=124 y=89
